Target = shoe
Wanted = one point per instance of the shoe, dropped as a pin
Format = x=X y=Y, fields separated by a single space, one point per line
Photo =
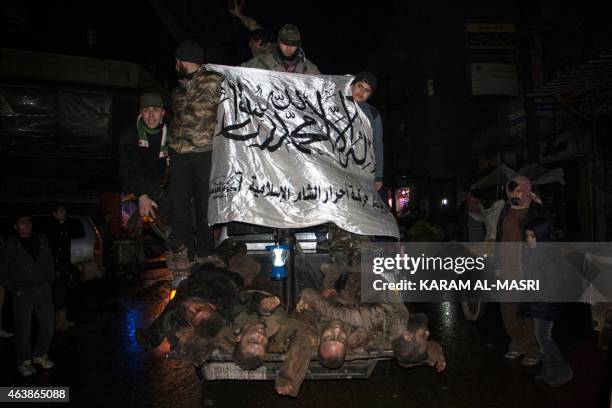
x=513 y=355
x=26 y=369
x=4 y=334
x=44 y=362
x=530 y=361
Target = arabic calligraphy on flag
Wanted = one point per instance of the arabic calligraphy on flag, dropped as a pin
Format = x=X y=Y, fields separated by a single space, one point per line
x=293 y=151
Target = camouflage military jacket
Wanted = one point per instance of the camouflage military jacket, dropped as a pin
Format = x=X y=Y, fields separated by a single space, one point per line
x=253 y=25
x=388 y=319
x=297 y=339
x=195 y=113
x=290 y=335
x=271 y=62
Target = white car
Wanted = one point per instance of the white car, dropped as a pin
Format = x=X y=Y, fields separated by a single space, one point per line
x=85 y=246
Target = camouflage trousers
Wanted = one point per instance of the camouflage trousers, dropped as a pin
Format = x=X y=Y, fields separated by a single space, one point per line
x=345 y=247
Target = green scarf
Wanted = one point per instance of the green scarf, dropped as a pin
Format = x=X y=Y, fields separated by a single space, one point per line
x=143 y=136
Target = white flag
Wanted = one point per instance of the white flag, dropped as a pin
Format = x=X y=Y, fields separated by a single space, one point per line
x=292 y=151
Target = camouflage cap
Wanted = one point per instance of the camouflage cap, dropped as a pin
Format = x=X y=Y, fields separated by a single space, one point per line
x=151 y=99
x=290 y=35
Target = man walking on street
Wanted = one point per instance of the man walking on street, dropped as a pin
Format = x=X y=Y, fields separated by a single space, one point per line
x=27 y=271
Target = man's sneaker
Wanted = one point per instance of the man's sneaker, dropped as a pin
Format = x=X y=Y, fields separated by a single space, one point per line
x=44 y=361
x=513 y=355
x=4 y=334
x=26 y=369
x=530 y=361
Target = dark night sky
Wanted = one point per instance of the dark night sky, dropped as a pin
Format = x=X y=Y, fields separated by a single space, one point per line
x=337 y=35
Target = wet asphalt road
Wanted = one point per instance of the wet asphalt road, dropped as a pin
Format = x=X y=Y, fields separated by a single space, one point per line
x=103 y=366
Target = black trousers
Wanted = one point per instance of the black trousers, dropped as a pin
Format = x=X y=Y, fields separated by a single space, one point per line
x=187 y=191
x=59 y=289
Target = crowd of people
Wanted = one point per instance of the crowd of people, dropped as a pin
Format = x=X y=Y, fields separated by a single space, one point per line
x=166 y=165
x=213 y=308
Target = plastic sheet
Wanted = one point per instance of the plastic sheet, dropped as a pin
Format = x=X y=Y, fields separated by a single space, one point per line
x=46 y=122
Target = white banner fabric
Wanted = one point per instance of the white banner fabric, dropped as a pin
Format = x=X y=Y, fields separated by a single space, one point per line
x=292 y=151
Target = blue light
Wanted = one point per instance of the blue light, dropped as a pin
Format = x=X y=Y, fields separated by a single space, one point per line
x=279 y=257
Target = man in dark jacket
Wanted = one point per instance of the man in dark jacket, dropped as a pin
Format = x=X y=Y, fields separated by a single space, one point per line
x=27 y=271
x=144 y=171
x=519 y=211
x=363 y=87
x=58 y=235
x=144 y=154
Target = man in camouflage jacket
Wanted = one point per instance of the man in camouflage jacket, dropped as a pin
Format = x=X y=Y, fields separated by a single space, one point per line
x=258 y=37
x=194 y=104
x=287 y=56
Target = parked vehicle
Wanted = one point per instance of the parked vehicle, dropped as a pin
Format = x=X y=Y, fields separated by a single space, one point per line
x=85 y=247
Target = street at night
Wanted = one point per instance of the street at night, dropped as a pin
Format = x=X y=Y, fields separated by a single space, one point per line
x=104 y=366
x=266 y=203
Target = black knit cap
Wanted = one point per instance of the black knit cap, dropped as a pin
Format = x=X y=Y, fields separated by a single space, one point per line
x=368 y=78
x=190 y=51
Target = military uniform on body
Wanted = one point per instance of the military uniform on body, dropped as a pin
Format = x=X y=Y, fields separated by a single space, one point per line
x=287 y=56
x=194 y=102
x=385 y=325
